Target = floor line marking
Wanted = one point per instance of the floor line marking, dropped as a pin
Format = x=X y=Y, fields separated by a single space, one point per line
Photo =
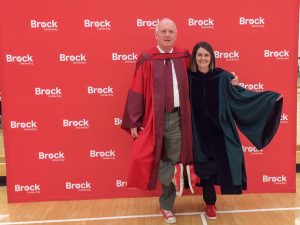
x=203 y=219
x=202 y=214
x=259 y=210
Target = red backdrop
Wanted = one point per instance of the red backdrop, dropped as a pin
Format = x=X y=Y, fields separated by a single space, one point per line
x=66 y=67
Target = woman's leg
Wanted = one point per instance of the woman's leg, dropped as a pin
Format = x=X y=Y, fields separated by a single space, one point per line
x=209 y=192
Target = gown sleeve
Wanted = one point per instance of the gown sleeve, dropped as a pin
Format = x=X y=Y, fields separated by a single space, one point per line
x=134 y=108
x=256 y=114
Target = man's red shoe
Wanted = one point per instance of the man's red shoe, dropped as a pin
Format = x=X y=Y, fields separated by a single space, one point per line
x=177 y=179
x=168 y=216
x=193 y=179
x=210 y=212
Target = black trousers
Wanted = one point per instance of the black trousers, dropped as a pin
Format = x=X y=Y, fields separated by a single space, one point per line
x=209 y=192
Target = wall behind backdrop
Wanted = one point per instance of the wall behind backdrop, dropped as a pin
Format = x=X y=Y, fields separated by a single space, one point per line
x=65 y=71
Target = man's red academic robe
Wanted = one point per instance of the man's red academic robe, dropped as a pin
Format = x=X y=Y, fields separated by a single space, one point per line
x=145 y=107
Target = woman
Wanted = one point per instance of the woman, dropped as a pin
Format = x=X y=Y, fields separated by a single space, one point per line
x=216 y=107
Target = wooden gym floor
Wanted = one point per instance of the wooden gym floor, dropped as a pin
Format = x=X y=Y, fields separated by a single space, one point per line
x=247 y=209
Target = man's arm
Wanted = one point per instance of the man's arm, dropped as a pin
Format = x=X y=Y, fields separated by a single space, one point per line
x=134 y=109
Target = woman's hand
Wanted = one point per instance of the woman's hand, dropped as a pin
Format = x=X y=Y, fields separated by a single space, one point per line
x=280 y=97
x=235 y=80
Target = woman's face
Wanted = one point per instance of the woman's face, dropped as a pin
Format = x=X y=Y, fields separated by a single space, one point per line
x=203 y=59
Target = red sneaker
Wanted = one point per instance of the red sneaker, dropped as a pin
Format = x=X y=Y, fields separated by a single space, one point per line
x=210 y=212
x=168 y=216
x=177 y=179
x=192 y=177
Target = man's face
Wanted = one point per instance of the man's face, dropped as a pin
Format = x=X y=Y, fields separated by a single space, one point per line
x=166 y=35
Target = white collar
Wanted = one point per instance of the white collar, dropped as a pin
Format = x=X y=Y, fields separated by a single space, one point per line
x=162 y=51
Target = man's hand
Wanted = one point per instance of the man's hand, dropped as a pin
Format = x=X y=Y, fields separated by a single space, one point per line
x=235 y=80
x=134 y=131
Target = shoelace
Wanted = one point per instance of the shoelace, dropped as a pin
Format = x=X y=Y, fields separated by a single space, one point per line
x=211 y=208
x=174 y=181
x=168 y=213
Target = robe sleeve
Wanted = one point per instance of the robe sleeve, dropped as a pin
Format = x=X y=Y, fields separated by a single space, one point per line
x=256 y=114
x=134 y=108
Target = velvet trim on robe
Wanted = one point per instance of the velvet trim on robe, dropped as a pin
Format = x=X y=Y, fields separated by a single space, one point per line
x=145 y=107
x=216 y=107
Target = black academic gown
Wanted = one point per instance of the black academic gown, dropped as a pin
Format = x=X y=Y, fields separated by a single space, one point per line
x=216 y=107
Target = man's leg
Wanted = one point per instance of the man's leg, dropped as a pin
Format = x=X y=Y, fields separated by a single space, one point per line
x=171 y=156
x=167 y=198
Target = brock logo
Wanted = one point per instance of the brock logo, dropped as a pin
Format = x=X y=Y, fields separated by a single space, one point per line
x=203 y=23
x=147 y=23
x=282 y=179
x=127 y=58
x=117 y=121
x=50 y=92
x=31 y=189
x=253 y=87
x=109 y=154
x=254 y=22
x=99 y=25
x=284 y=118
x=31 y=125
x=279 y=55
x=252 y=150
x=78 y=124
x=75 y=59
x=53 y=156
x=21 y=59
x=45 y=25
x=85 y=186
x=102 y=91
x=229 y=56
x=121 y=183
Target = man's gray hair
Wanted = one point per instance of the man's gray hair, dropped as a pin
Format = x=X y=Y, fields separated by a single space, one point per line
x=162 y=20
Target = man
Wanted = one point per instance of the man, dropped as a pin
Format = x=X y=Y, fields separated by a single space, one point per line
x=157 y=115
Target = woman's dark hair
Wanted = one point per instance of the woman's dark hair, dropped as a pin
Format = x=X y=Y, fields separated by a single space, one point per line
x=207 y=47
